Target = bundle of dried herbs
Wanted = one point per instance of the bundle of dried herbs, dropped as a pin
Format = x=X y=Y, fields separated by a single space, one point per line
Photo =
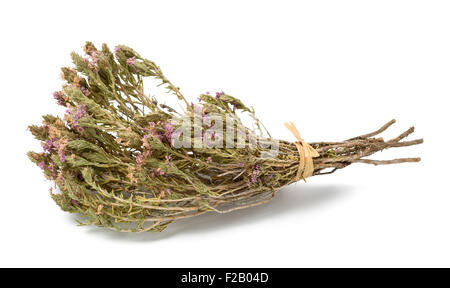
x=122 y=160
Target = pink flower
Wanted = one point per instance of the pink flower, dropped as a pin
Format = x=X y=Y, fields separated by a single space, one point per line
x=61 y=145
x=77 y=114
x=80 y=112
x=255 y=173
x=218 y=94
x=41 y=165
x=85 y=91
x=49 y=145
x=168 y=131
x=131 y=61
x=159 y=171
x=59 y=97
x=140 y=159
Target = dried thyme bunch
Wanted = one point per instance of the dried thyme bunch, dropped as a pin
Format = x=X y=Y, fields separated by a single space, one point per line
x=118 y=161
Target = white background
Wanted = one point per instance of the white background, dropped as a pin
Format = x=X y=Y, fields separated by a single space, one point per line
x=336 y=68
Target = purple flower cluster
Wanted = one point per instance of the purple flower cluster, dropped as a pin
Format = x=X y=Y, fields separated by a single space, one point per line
x=61 y=145
x=168 y=130
x=59 y=97
x=218 y=94
x=77 y=114
x=131 y=61
x=151 y=130
x=49 y=145
x=92 y=58
x=85 y=91
x=41 y=165
x=55 y=144
x=140 y=159
x=80 y=112
x=254 y=175
x=62 y=156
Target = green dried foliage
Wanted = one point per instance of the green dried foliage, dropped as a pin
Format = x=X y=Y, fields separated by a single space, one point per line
x=112 y=158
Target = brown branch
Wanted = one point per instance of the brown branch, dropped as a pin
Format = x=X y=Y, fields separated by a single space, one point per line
x=387 y=162
x=379 y=131
x=337 y=155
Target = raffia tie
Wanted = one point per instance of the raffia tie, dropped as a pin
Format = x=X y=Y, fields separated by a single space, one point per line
x=306 y=154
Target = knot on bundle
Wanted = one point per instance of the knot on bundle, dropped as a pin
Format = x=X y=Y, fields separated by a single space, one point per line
x=306 y=154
